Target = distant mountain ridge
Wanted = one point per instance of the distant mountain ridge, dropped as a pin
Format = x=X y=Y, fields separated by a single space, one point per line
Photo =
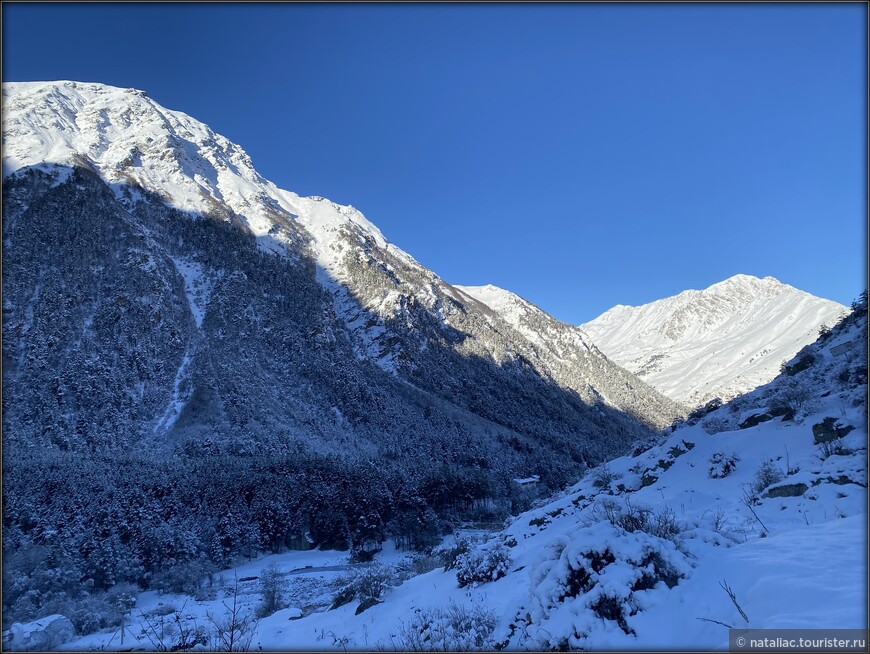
x=718 y=342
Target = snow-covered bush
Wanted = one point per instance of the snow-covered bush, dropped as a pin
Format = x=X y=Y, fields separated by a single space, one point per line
x=368 y=586
x=188 y=578
x=123 y=596
x=594 y=585
x=91 y=614
x=832 y=448
x=372 y=583
x=793 y=397
x=483 y=564
x=631 y=518
x=722 y=465
x=417 y=565
x=715 y=424
x=602 y=477
x=451 y=552
x=89 y=617
x=719 y=520
x=767 y=475
x=450 y=629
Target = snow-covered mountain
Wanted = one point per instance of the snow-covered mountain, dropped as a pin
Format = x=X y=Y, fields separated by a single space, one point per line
x=132 y=141
x=392 y=311
x=523 y=315
x=719 y=342
x=212 y=367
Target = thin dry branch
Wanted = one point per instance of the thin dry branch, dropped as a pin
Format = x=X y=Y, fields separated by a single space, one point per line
x=724 y=585
x=716 y=622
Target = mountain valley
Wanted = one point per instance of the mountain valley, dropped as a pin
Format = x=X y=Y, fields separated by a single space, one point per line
x=202 y=372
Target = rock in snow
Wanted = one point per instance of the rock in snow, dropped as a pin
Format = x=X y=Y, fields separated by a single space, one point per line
x=40 y=635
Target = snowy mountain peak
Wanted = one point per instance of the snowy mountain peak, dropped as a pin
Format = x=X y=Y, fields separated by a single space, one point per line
x=131 y=140
x=519 y=313
x=496 y=298
x=747 y=282
x=718 y=342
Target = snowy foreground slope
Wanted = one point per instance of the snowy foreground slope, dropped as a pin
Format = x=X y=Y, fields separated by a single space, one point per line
x=764 y=497
x=719 y=342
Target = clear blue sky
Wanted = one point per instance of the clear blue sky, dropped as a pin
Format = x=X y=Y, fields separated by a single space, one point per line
x=579 y=155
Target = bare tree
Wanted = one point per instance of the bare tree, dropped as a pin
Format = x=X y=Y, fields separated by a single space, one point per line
x=234 y=631
x=748 y=500
x=171 y=631
x=271 y=591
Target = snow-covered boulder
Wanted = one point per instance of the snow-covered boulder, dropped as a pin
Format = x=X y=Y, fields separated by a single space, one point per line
x=40 y=635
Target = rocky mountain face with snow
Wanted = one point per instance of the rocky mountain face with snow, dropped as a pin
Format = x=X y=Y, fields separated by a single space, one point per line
x=570 y=354
x=719 y=342
x=159 y=291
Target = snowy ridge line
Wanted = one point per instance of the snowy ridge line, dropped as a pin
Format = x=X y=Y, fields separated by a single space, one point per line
x=127 y=137
x=568 y=344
